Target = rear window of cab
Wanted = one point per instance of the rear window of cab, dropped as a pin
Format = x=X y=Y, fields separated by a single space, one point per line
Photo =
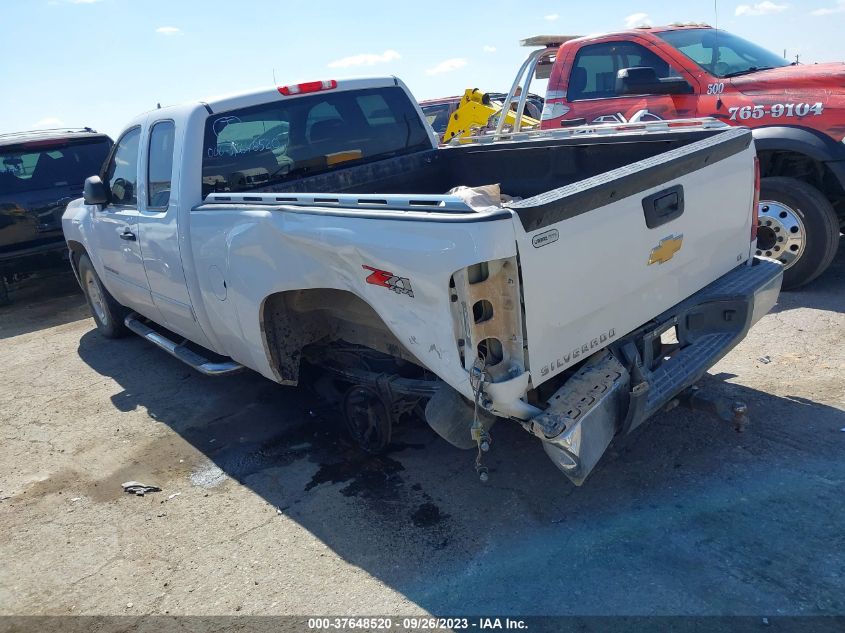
x=268 y=144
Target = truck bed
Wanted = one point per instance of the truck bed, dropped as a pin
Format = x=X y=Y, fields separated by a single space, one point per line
x=524 y=168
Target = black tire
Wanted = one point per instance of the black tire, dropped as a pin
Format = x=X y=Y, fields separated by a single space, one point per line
x=821 y=227
x=107 y=312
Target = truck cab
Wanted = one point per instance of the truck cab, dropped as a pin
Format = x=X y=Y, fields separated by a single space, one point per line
x=797 y=113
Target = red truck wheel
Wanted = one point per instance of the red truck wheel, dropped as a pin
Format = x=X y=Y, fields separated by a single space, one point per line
x=798 y=227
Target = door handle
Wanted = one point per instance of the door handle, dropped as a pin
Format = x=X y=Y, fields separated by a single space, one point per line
x=663 y=206
x=127 y=235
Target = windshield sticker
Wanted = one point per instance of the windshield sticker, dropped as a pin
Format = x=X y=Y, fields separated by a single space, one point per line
x=245 y=138
x=221 y=123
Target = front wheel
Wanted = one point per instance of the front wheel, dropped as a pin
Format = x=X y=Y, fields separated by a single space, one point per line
x=108 y=314
x=798 y=227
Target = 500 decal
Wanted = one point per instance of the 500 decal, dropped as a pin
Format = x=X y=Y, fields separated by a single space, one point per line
x=715 y=89
x=775 y=110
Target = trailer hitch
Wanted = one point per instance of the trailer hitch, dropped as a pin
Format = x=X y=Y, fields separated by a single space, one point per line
x=733 y=412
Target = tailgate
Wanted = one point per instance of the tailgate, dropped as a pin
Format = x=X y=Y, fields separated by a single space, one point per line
x=605 y=255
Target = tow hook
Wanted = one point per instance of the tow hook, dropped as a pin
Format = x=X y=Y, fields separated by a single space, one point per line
x=733 y=412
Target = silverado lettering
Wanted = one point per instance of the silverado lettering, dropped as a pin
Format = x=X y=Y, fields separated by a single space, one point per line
x=594 y=344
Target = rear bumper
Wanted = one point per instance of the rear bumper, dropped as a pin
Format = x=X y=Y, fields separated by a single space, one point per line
x=617 y=391
x=709 y=324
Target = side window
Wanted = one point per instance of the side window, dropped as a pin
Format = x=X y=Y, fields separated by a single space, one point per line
x=594 y=72
x=630 y=55
x=122 y=174
x=160 y=166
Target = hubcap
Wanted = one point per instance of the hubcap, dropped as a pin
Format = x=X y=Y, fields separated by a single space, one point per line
x=95 y=297
x=780 y=234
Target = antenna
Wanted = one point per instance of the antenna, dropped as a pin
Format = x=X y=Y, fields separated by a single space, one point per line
x=716 y=14
x=274 y=76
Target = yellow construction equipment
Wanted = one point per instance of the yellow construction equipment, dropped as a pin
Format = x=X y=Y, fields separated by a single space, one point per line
x=476 y=113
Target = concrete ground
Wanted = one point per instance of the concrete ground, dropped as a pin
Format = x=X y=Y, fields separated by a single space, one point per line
x=266 y=509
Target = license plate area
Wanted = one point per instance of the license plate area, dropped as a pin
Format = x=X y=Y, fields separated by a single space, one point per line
x=667 y=340
x=663 y=343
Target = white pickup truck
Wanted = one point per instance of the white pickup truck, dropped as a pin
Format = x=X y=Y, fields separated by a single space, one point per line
x=577 y=281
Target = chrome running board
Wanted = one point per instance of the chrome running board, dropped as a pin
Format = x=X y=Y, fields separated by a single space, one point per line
x=181 y=351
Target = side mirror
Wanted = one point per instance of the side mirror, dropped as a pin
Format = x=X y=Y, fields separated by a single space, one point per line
x=94 y=191
x=642 y=80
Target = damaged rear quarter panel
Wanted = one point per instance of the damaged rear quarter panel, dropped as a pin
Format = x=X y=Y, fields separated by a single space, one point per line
x=266 y=250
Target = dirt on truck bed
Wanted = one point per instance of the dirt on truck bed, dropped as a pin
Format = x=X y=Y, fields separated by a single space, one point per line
x=266 y=508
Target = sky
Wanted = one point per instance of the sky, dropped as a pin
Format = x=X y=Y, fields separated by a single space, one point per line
x=98 y=63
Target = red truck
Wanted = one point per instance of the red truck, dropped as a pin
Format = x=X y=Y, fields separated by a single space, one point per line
x=797 y=113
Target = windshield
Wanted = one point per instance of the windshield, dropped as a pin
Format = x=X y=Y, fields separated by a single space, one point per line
x=288 y=139
x=40 y=165
x=720 y=53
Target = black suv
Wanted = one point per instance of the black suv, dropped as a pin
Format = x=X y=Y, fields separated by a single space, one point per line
x=40 y=173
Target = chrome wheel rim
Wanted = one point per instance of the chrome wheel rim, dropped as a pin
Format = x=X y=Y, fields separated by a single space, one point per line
x=780 y=234
x=95 y=297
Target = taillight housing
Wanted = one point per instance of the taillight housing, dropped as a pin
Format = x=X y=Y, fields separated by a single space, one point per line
x=755 y=217
x=308 y=86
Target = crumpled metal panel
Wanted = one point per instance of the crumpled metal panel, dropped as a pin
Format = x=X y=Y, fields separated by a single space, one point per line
x=583 y=416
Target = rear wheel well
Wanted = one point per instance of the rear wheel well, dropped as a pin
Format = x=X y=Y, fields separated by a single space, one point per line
x=802 y=167
x=293 y=320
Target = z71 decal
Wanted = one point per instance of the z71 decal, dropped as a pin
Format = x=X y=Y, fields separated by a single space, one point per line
x=399 y=285
x=776 y=110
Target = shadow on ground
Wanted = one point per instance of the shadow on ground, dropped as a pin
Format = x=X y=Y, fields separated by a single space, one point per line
x=823 y=293
x=684 y=516
x=42 y=302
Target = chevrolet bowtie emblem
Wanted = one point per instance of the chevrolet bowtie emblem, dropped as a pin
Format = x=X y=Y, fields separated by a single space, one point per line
x=666 y=249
